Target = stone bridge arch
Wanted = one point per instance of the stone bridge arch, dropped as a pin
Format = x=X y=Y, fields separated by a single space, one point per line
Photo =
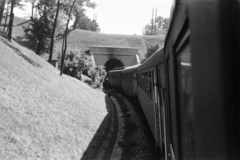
x=107 y=56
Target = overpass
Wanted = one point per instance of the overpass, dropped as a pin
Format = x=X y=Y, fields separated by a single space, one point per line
x=114 y=57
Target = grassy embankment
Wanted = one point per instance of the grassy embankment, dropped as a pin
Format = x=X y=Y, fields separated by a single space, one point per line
x=44 y=115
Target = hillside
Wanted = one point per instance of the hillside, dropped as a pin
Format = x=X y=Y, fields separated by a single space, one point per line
x=81 y=39
x=44 y=115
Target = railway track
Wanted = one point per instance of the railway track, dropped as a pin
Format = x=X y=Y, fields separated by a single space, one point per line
x=124 y=133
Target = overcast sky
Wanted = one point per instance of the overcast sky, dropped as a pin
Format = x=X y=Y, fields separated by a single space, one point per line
x=122 y=16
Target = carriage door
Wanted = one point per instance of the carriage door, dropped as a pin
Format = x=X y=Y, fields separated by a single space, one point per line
x=162 y=110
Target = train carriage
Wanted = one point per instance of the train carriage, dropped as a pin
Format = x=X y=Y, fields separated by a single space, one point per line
x=202 y=74
x=189 y=90
x=151 y=95
x=129 y=80
x=114 y=77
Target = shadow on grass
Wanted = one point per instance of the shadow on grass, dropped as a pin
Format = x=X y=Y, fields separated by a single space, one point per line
x=19 y=52
x=60 y=35
x=102 y=144
x=22 y=41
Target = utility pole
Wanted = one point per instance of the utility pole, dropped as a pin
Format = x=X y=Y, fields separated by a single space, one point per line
x=95 y=21
x=152 y=21
x=1 y=11
x=155 y=23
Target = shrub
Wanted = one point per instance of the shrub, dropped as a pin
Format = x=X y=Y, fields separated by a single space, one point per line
x=97 y=76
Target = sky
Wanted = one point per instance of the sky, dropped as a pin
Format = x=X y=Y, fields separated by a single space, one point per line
x=121 y=16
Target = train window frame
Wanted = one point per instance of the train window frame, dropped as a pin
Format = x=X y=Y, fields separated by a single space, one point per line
x=150 y=84
x=181 y=48
x=145 y=81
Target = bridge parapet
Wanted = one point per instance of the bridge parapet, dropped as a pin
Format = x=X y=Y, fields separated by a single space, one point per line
x=128 y=56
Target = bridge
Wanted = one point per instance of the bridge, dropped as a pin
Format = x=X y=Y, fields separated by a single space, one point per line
x=114 y=57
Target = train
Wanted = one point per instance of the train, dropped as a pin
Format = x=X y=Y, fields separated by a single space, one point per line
x=189 y=90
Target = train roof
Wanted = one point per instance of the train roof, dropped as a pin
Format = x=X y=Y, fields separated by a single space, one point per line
x=131 y=68
x=154 y=59
x=116 y=70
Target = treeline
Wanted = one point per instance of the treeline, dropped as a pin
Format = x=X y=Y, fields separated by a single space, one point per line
x=158 y=25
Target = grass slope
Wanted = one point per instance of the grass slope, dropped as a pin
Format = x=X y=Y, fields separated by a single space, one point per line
x=43 y=115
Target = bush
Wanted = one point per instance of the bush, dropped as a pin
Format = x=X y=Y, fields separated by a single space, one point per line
x=97 y=76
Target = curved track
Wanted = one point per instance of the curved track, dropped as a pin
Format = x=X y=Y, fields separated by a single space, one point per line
x=124 y=133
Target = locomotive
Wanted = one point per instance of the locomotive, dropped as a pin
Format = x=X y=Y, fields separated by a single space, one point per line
x=189 y=89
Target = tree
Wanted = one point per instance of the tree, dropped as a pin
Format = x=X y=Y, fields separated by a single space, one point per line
x=161 y=24
x=79 y=10
x=11 y=21
x=3 y=2
x=6 y=16
x=64 y=46
x=53 y=32
x=38 y=34
x=151 y=50
x=86 y=23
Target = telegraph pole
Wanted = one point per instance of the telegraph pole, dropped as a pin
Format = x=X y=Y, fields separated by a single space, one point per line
x=155 y=20
x=152 y=21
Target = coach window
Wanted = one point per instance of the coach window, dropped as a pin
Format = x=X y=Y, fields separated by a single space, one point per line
x=146 y=80
x=140 y=77
x=184 y=74
x=147 y=85
x=144 y=83
x=150 y=84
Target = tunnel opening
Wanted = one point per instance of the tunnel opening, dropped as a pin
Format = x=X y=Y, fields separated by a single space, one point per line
x=113 y=63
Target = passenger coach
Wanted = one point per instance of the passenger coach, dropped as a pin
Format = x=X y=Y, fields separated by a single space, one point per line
x=152 y=95
x=202 y=57
x=114 y=77
x=190 y=89
x=129 y=80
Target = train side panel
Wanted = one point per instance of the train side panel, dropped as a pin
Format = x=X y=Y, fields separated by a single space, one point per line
x=202 y=57
x=149 y=95
x=145 y=96
x=129 y=81
x=114 y=78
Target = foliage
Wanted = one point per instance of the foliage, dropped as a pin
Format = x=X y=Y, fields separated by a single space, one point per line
x=64 y=40
x=162 y=22
x=79 y=10
x=53 y=31
x=150 y=51
x=149 y=30
x=86 y=23
x=39 y=30
x=161 y=25
x=38 y=34
x=76 y=66
x=97 y=76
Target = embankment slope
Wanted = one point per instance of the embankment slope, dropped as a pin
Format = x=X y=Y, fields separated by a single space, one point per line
x=43 y=115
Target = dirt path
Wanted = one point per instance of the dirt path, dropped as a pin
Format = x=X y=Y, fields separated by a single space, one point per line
x=124 y=133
